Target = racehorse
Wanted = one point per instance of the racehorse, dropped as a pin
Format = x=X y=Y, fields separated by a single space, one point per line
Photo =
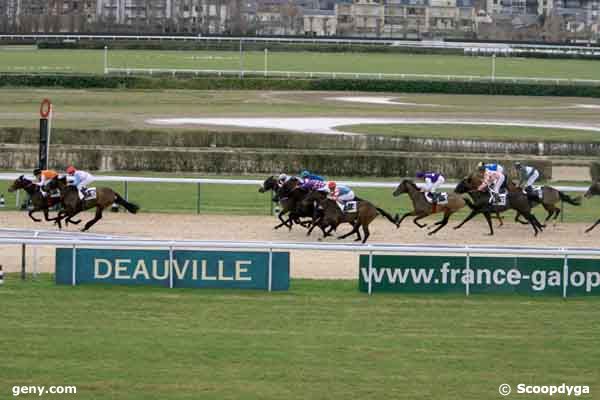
x=73 y=205
x=481 y=203
x=422 y=208
x=593 y=191
x=332 y=216
x=39 y=202
x=550 y=197
x=270 y=184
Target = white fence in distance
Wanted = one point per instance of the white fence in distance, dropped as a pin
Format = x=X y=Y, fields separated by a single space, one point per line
x=340 y=75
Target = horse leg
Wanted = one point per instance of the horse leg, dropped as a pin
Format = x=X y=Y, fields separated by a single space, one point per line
x=280 y=216
x=353 y=231
x=519 y=220
x=593 y=226
x=30 y=213
x=499 y=217
x=419 y=218
x=488 y=218
x=534 y=223
x=550 y=211
x=469 y=217
x=404 y=216
x=441 y=223
x=366 y=232
x=312 y=226
x=91 y=222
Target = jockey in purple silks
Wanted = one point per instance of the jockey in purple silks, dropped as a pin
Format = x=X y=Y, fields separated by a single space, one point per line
x=433 y=180
x=313 y=184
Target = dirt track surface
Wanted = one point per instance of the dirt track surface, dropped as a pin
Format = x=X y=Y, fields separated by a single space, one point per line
x=304 y=264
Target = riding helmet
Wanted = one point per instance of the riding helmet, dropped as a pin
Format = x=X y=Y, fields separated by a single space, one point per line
x=37 y=171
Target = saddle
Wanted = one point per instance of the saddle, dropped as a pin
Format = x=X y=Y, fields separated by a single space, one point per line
x=437 y=198
x=499 y=200
x=351 y=207
x=87 y=194
x=536 y=190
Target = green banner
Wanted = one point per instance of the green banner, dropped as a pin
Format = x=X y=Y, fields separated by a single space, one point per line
x=457 y=274
x=196 y=269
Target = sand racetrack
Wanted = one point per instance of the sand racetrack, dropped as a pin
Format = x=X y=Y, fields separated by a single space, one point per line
x=304 y=264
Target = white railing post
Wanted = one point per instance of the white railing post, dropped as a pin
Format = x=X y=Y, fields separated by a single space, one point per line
x=105 y=60
x=35 y=235
x=369 y=282
x=565 y=275
x=171 y=277
x=270 y=271
x=468 y=269
x=74 y=266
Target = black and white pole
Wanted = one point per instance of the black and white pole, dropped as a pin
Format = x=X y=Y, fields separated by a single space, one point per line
x=45 y=129
x=1 y=276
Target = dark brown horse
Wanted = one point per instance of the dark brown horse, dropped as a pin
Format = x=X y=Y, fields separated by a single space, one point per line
x=480 y=203
x=422 y=208
x=332 y=216
x=550 y=197
x=73 y=205
x=594 y=190
x=39 y=202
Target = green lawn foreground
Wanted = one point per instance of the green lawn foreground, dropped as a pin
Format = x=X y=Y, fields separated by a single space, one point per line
x=320 y=340
x=246 y=200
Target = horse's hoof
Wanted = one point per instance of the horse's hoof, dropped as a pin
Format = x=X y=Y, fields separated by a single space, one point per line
x=357 y=240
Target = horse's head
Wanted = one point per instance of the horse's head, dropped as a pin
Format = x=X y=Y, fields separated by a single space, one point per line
x=19 y=183
x=269 y=184
x=593 y=190
x=403 y=187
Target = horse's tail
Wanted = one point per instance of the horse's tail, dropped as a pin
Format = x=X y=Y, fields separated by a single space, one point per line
x=393 y=220
x=565 y=197
x=132 y=208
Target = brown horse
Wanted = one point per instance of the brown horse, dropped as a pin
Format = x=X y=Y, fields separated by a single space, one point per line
x=73 y=205
x=593 y=191
x=422 y=208
x=332 y=216
x=39 y=202
x=550 y=197
x=480 y=203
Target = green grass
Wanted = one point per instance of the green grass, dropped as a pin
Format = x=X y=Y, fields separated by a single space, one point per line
x=320 y=340
x=246 y=200
x=485 y=132
x=92 y=61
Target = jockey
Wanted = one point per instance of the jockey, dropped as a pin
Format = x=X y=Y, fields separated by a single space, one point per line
x=433 y=180
x=312 y=184
x=305 y=174
x=283 y=178
x=493 y=167
x=527 y=174
x=340 y=193
x=80 y=179
x=493 y=181
x=43 y=177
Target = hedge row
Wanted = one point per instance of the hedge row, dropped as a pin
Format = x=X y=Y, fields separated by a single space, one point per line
x=213 y=83
x=248 y=46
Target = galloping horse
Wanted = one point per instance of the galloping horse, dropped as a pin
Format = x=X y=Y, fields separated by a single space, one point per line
x=481 y=203
x=550 y=197
x=39 y=202
x=593 y=191
x=422 y=208
x=332 y=216
x=73 y=204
